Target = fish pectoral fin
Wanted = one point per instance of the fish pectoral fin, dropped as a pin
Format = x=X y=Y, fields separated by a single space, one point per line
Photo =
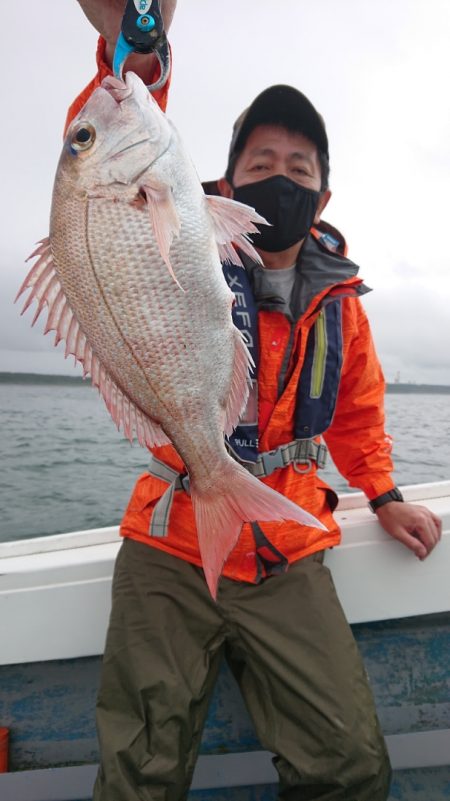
x=46 y=288
x=164 y=219
x=233 y=222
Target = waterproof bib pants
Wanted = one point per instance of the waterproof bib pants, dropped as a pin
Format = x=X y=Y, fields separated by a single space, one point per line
x=291 y=651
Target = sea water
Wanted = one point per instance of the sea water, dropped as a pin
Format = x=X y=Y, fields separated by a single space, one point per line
x=64 y=467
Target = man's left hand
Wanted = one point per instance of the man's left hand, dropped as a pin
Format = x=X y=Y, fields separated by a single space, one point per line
x=414 y=526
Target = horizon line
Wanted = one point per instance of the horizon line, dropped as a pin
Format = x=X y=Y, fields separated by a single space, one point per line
x=80 y=379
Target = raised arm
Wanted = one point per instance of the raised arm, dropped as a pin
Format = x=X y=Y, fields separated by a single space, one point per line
x=106 y=17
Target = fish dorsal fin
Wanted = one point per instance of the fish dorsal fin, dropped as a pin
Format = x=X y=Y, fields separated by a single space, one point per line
x=233 y=222
x=240 y=383
x=164 y=219
x=46 y=289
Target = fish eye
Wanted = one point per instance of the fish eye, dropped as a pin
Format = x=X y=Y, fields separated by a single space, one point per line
x=83 y=137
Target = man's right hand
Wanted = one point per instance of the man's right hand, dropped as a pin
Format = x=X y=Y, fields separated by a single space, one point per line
x=105 y=16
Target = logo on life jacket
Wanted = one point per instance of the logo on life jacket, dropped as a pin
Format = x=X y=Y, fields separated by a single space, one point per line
x=244 y=439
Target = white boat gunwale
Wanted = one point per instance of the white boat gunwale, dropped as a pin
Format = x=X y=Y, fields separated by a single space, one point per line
x=60 y=585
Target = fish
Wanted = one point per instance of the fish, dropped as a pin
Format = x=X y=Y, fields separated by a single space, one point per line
x=131 y=280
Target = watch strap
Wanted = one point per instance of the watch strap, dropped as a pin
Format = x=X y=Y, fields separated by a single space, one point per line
x=386 y=497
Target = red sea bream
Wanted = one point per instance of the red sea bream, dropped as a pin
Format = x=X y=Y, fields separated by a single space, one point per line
x=131 y=275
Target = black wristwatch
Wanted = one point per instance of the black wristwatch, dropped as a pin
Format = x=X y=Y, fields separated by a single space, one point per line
x=387 y=497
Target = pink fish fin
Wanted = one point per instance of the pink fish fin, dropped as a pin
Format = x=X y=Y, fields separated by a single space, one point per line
x=43 y=246
x=164 y=219
x=47 y=294
x=46 y=289
x=127 y=422
x=65 y=319
x=40 y=273
x=233 y=222
x=153 y=435
x=219 y=514
x=39 y=287
x=240 y=383
x=55 y=312
x=127 y=416
x=95 y=370
x=131 y=419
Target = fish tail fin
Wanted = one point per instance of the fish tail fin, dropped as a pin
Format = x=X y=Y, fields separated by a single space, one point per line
x=220 y=512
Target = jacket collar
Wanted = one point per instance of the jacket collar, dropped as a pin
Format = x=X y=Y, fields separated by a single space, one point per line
x=321 y=266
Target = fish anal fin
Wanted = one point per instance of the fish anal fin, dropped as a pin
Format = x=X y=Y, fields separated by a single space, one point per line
x=233 y=222
x=126 y=415
x=164 y=219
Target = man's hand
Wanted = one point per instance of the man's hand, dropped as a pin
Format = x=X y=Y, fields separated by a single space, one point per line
x=414 y=526
x=106 y=17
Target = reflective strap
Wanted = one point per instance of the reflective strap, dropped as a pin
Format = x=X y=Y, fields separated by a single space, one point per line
x=160 y=518
x=297 y=452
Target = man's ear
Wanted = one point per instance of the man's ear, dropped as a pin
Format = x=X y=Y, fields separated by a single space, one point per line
x=324 y=198
x=225 y=189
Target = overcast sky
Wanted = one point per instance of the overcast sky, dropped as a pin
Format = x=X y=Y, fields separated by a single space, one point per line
x=377 y=71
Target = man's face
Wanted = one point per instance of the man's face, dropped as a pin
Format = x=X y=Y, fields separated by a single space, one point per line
x=272 y=150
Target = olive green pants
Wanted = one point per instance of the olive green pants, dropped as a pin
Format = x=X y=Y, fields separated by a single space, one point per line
x=291 y=651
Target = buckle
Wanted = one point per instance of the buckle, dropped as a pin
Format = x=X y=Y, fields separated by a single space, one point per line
x=306 y=452
x=185 y=485
x=272 y=460
x=302 y=467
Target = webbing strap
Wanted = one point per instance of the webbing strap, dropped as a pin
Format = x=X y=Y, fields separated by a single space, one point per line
x=160 y=518
x=269 y=560
x=298 y=452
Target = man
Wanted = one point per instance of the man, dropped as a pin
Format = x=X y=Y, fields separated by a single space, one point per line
x=277 y=619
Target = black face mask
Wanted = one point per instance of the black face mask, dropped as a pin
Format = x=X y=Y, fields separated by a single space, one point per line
x=288 y=206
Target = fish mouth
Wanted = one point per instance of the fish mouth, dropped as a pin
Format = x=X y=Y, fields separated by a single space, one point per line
x=119 y=90
x=130 y=86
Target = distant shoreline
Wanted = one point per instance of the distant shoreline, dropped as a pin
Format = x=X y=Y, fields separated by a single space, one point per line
x=67 y=380
x=41 y=378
